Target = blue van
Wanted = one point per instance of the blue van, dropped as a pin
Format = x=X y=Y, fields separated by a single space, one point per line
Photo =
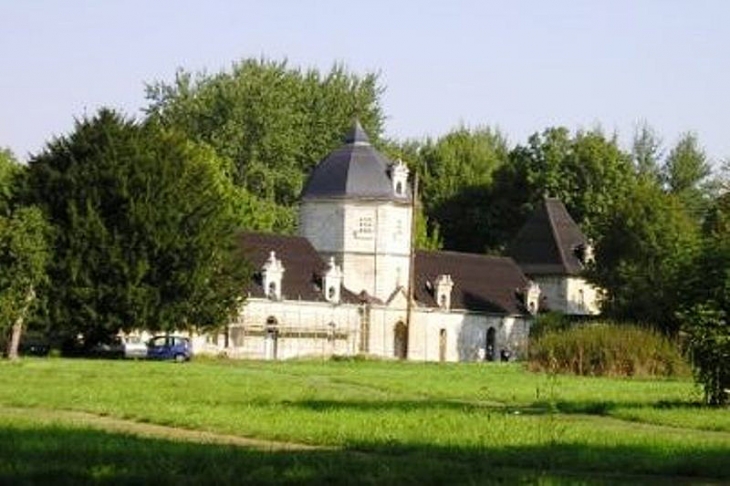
x=170 y=347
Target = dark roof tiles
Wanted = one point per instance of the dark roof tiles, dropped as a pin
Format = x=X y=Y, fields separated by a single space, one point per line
x=354 y=171
x=481 y=283
x=550 y=242
x=303 y=267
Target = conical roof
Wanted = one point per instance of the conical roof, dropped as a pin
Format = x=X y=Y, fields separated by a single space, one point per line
x=354 y=171
x=550 y=242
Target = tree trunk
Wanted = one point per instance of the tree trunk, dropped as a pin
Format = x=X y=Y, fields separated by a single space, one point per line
x=18 y=326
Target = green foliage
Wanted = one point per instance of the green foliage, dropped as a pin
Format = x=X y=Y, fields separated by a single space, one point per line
x=643 y=256
x=549 y=322
x=456 y=173
x=24 y=253
x=10 y=171
x=605 y=349
x=646 y=152
x=587 y=171
x=708 y=339
x=684 y=173
x=272 y=122
x=144 y=224
x=706 y=307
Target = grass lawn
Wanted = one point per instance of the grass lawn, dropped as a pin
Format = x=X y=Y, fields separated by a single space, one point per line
x=376 y=423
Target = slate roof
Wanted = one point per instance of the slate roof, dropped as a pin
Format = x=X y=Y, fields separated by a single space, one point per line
x=303 y=267
x=481 y=283
x=354 y=171
x=550 y=242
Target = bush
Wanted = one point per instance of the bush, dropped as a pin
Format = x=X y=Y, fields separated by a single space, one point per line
x=553 y=321
x=607 y=349
x=708 y=340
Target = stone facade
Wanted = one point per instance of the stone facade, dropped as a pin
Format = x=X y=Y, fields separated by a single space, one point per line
x=346 y=286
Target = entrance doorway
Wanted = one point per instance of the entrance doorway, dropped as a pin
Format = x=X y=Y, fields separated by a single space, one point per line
x=271 y=339
x=490 y=352
x=442 y=345
x=400 y=341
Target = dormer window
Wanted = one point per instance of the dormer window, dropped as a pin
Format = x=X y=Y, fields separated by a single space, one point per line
x=272 y=273
x=332 y=282
x=584 y=253
x=444 y=286
x=532 y=298
x=399 y=178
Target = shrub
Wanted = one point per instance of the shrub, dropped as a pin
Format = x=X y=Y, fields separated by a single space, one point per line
x=607 y=349
x=708 y=340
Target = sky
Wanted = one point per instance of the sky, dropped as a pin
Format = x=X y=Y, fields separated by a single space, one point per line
x=519 y=65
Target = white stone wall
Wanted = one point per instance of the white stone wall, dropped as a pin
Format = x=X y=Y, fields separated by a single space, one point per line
x=570 y=295
x=465 y=334
x=370 y=240
x=302 y=329
x=583 y=298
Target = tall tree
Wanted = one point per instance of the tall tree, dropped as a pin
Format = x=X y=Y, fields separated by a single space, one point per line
x=646 y=152
x=145 y=224
x=643 y=256
x=456 y=173
x=273 y=122
x=706 y=306
x=23 y=253
x=587 y=171
x=685 y=172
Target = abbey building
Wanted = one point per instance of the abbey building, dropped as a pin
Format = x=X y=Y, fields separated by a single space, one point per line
x=350 y=283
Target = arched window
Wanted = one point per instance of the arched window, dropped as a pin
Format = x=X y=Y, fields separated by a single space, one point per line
x=272 y=290
x=399 y=188
x=331 y=293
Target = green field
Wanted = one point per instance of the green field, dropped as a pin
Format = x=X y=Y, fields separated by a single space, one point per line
x=370 y=423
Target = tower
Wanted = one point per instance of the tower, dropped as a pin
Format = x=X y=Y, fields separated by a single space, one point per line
x=356 y=208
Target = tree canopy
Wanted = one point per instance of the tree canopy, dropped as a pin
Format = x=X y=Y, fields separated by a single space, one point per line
x=144 y=223
x=271 y=123
x=24 y=252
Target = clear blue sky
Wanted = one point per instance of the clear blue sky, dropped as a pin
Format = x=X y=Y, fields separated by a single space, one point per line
x=519 y=65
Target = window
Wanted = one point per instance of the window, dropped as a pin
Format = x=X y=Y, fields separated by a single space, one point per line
x=399 y=188
x=365 y=226
x=331 y=293
x=272 y=290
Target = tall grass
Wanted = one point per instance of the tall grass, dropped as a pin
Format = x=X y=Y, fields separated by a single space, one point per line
x=607 y=349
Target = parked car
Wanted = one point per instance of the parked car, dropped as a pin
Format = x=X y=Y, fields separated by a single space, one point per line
x=135 y=347
x=114 y=349
x=170 y=347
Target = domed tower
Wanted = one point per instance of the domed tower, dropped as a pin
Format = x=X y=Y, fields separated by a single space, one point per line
x=356 y=207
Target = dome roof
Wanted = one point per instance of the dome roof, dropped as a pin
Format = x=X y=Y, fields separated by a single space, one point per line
x=354 y=171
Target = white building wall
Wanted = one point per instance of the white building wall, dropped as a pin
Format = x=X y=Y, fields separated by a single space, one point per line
x=583 y=298
x=465 y=334
x=301 y=329
x=569 y=295
x=370 y=240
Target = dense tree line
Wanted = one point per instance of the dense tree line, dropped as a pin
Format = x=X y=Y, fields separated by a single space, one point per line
x=140 y=216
